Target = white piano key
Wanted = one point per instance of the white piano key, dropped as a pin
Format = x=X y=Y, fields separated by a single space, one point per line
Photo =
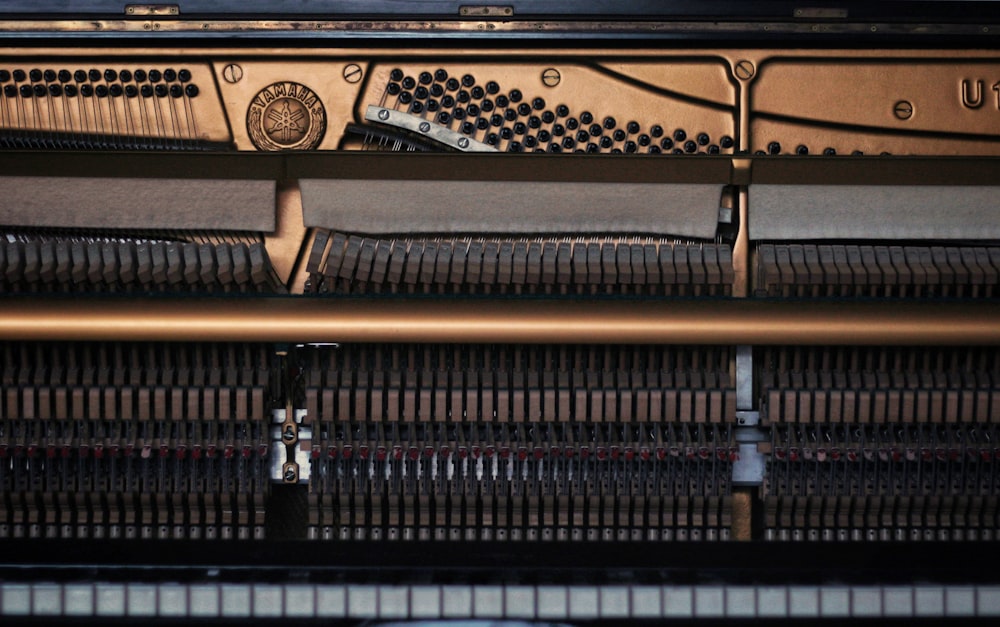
x=549 y=602
x=614 y=602
x=268 y=601
x=487 y=601
x=709 y=601
x=988 y=600
x=960 y=601
x=803 y=601
x=46 y=600
x=204 y=600
x=236 y=601
x=110 y=600
x=583 y=602
x=741 y=602
x=552 y=602
x=173 y=600
x=425 y=602
x=362 y=601
x=456 y=601
x=647 y=602
x=835 y=602
x=393 y=602
x=300 y=601
x=866 y=601
x=16 y=599
x=772 y=601
x=141 y=599
x=678 y=602
x=78 y=600
x=331 y=602
x=897 y=601
x=519 y=602
x=928 y=601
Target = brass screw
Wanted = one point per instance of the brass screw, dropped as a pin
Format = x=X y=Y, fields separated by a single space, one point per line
x=903 y=110
x=352 y=73
x=744 y=70
x=551 y=77
x=232 y=73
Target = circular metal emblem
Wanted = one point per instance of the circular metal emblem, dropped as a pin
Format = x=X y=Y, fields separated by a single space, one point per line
x=286 y=116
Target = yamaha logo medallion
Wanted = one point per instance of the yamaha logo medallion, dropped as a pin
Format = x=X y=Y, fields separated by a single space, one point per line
x=286 y=116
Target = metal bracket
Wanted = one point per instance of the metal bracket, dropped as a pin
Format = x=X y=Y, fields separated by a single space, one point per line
x=426 y=128
x=152 y=9
x=820 y=13
x=748 y=470
x=744 y=377
x=290 y=446
x=486 y=11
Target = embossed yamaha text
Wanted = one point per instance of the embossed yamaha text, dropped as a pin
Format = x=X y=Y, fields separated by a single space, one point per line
x=286 y=116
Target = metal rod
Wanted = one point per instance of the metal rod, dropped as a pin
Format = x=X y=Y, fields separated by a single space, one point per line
x=305 y=319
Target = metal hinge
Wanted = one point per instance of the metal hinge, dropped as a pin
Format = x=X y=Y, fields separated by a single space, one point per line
x=820 y=13
x=486 y=11
x=152 y=9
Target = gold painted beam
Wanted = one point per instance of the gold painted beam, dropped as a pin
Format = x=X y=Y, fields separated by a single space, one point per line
x=305 y=319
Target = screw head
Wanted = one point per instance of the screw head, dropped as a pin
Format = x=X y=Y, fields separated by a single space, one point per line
x=290 y=475
x=232 y=73
x=383 y=114
x=551 y=77
x=352 y=73
x=289 y=434
x=903 y=110
x=424 y=127
x=744 y=69
x=463 y=142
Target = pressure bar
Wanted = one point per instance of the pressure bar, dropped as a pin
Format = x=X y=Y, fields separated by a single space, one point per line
x=315 y=320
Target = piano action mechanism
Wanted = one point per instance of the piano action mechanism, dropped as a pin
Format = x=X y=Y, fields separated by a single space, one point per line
x=743 y=295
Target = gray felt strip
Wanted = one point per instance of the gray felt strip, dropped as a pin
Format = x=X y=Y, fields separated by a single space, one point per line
x=400 y=206
x=791 y=212
x=137 y=203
